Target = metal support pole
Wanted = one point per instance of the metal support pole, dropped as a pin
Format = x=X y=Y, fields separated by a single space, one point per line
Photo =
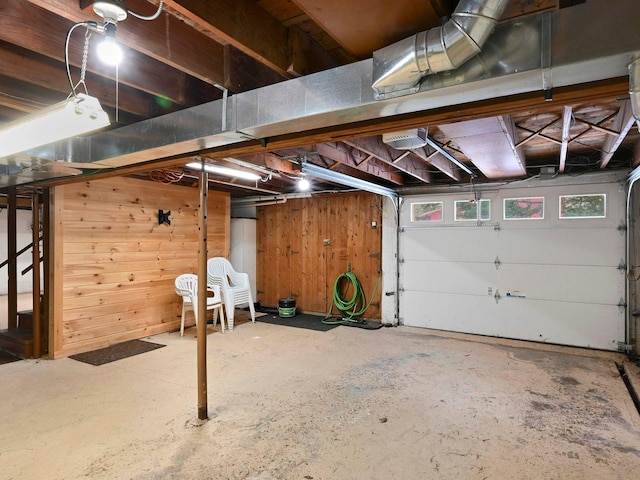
x=202 y=296
x=35 y=272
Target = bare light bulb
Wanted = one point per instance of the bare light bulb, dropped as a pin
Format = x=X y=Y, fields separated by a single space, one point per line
x=303 y=184
x=109 y=51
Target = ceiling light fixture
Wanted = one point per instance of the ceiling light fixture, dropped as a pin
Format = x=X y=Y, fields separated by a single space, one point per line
x=77 y=115
x=111 y=12
x=342 y=179
x=303 y=184
x=228 y=172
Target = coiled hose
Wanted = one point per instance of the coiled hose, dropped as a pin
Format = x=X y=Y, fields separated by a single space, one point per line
x=354 y=307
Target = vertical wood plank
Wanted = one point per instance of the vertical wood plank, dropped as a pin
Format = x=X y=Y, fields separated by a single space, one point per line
x=308 y=268
x=55 y=257
x=35 y=261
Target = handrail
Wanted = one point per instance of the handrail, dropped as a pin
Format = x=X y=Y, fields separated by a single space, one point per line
x=30 y=267
x=20 y=253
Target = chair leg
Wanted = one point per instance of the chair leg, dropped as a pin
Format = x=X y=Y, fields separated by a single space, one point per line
x=253 y=311
x=230 y=308
x=215 y=313
x=182 y=322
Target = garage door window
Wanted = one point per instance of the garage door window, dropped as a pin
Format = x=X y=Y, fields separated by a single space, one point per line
x=583 y=206
x=426 y=212
x=467 y=211
x=524 y=208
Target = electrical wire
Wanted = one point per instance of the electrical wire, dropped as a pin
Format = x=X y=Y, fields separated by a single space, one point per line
x=151 y=17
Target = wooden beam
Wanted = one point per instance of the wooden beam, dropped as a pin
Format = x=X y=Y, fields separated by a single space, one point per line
x=306 y=55
x=166 y=39
x=409 y=165
x=35 y=275
x=338 y=153
x=47 y=74
x=29 y=27
x=439 y=161
x=241 y=23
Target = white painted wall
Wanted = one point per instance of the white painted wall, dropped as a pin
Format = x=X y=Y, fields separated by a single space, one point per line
x=243 y=248
x=389 y=284
x=23 y=225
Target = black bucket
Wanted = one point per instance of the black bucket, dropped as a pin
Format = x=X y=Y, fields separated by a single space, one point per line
x=287 y=307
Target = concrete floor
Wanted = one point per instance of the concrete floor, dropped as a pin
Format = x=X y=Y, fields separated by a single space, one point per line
x=286 y=403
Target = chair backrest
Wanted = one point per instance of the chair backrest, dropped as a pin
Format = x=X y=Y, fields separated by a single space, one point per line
x=217 y=269
x=187 y=285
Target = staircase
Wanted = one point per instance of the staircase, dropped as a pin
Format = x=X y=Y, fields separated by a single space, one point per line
x=19 y=341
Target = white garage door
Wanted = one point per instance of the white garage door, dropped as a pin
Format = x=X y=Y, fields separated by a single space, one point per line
x=534 y=276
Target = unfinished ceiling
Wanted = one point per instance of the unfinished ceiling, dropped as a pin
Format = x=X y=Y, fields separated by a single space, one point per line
x=486 y=120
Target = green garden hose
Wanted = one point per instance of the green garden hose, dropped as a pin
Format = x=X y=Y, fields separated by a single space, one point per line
x=354 y=307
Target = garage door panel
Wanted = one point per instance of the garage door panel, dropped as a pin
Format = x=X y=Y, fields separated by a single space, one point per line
x=449 y=277
x=452 y=244
x=563 y=274
x=574 y=283
x=595 y=246
x=445 y=311
x=563 y=323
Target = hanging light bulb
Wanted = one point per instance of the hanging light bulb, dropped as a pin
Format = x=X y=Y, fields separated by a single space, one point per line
x=109 y=51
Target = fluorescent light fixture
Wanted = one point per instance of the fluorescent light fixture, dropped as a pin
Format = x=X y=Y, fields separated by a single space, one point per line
x=229 y=172
x=342 y=179
x=75 y=116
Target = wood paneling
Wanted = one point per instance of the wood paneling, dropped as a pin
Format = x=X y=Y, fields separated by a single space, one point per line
x=116 y=266
x=305 y=244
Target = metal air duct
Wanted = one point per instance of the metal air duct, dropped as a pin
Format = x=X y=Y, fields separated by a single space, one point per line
x=398 y=68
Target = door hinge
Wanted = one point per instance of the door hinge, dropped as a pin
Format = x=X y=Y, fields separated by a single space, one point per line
x=497 y=296
x=622 y=305
x=497 y=263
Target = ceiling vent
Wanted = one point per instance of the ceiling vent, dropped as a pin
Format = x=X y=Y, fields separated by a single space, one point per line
x=406 y=139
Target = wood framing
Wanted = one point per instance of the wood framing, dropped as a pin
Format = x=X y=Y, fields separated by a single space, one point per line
x=305 y=244
x=115 y=265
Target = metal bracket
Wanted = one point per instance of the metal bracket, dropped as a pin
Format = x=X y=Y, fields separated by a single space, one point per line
x=621 y=305
x=624 y=347
x=497 y=263
x=622 y=266
x=497 y=296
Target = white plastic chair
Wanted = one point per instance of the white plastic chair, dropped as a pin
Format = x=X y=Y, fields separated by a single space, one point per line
x=234 y=287
x=186 y=286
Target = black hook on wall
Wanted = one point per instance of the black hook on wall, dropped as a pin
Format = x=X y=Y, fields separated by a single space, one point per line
x=163 y=217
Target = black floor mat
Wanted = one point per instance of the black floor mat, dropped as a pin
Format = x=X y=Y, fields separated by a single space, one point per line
x=300 y=320
x=7 y=358
x=116 y=352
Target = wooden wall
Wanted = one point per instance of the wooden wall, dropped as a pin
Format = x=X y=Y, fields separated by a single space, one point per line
x=115 y=266
x=305 y=244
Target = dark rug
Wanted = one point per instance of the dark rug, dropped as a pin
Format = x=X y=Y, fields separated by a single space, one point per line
x=300 y=320
x=116 y=352
x=7 y=358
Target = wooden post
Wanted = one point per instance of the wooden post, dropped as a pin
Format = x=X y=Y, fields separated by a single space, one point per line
x=35 y=272
x=12 y=266
x=202 y=295
x=45 y=311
